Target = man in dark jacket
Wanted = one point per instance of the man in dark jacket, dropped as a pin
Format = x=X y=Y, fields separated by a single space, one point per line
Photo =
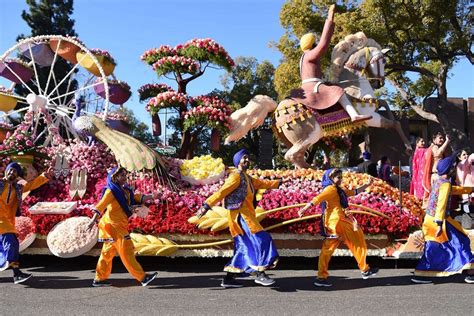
x=367 y=166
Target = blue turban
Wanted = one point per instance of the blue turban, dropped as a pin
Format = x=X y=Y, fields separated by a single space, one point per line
x=119 y=193
x=366 y=155
x=238 y=156
x=445 y=165
x=16 y=166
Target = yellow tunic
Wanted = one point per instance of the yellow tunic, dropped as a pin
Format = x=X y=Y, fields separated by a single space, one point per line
x=114 y=221
x=8 y=208
x=334 y=211
x=246 y=210
x=429 y=223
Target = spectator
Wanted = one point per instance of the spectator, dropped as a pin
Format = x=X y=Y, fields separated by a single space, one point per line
x=385 y=170
x=418 y=164
x=367 y=166
x=465 y=170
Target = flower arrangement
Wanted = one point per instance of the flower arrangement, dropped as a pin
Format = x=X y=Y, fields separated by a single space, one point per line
x=122 y=84
x=208 y=111
x=175 y=63
x=18 y=61
x=115 y=115
x=18 y=142
x=6 y=91
x=152 y=90
x=202 y=170
x=151 y=56
x=166 y=100
x=106 y=54
x=207 y=49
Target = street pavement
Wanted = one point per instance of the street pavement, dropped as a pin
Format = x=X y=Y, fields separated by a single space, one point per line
x=191 y=287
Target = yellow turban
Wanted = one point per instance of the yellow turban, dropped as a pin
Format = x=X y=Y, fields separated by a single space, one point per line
x=307 y=41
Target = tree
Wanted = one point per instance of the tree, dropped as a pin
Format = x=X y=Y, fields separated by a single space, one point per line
x=138 y=130
x=49 y=17
x=427 y=38
x=183 y=64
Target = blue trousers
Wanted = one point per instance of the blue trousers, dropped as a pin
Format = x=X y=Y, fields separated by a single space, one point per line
x=9 y=249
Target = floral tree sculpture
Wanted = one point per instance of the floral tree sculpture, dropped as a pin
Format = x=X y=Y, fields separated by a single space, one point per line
x=184 y=63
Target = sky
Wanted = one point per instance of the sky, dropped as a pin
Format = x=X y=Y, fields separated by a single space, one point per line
x=127 y=28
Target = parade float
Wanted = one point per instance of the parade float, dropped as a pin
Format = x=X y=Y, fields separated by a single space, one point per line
x=65 y=124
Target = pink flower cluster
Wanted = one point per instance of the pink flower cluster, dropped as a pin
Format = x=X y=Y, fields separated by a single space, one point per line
x=165 y=100
x=123 y=84
x=4 y=90
x=152 y=55
x=116 y=115
x=18 y=141
x=211 y=47
x=106 y=54
x=210 y=111
x=183 y=64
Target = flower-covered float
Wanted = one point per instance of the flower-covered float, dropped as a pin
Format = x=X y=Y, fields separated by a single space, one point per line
x=168 y=226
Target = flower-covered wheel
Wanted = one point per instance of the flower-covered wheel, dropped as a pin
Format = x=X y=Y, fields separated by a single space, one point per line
x=53 y=79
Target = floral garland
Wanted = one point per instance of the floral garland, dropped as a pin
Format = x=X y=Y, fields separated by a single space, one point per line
x=106 y=54
x=166 y=100
x=208 y=49
x=151 y=90
x=176 y=63
x=208 y=111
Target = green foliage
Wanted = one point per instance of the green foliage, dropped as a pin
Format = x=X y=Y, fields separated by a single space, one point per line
x=49 y=17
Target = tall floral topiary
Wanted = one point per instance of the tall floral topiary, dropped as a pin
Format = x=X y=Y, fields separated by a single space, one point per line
x=183 y=64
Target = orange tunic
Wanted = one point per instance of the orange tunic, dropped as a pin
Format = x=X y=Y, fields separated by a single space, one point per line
x=113 y=223
x=8 y=208
x=334 y=211
x=246 y=210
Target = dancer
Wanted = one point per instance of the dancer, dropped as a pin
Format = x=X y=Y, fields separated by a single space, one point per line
x=337 y=226
x=447 y=248
x=418 y=164
x=317 y=94
x=116 y=206
x=10 y=207
x=253 y=247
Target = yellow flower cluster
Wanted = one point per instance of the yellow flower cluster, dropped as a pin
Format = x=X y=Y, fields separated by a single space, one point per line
x=202 y=167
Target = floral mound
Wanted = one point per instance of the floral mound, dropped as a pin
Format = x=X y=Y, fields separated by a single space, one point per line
x=71 y=237
x=202 y=170
x=26 y=231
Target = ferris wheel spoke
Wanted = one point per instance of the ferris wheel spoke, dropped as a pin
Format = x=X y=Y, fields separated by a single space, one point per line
x=77 y=90
x=21 y=80
x=9 y=113
x=67 y=89
x=52 y=66
x=67 y=76
x=34 y=68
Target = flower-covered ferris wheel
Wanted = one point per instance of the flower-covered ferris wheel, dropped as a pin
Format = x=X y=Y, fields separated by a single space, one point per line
x=50 y=80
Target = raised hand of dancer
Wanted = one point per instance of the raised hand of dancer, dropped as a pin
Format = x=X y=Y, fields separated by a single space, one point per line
x=200 y=212
x=304 y=209
x=93 y=221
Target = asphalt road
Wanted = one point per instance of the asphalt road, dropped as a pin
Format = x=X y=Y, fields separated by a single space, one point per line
x=191 y=287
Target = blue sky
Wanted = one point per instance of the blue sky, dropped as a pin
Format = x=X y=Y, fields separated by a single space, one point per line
x=127 y=28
